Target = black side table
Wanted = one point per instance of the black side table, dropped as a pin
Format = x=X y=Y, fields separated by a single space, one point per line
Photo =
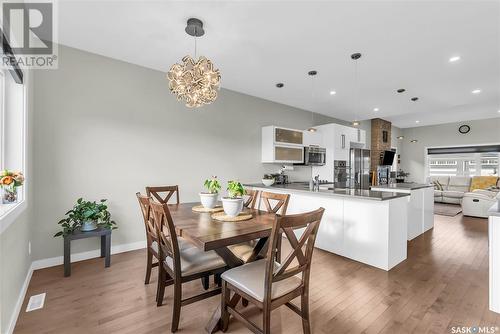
x=105 y=235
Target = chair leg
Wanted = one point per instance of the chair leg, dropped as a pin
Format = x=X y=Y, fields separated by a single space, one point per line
x=266 y=321
x=217 y=280
x=304 y=306
x=224 y=303
x=149 y=266
x=205 y=282
x=176 y=310
x=162 y=277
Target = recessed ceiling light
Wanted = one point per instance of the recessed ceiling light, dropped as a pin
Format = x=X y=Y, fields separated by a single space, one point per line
x=401 y=137
x=454 y=59
x=417 y=122
x=280 y=85
x=401 y=90
x=355 y=123
x=476 y=91
x=414 y=99
x=498 y=110
x=332 y=92
x=376 y=109
x=413 y=141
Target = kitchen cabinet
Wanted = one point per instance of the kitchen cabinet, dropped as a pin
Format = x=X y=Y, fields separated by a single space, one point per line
x=282 y=145
x=313 y=138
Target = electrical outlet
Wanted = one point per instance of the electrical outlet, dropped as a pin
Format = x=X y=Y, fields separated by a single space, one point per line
x=29 y=247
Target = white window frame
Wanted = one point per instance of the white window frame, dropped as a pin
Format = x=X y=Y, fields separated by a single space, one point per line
x=9 y=213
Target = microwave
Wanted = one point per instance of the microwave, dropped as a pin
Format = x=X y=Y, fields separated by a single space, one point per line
x=314 y=156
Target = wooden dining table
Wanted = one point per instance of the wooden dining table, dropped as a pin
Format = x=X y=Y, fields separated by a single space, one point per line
x=206 y=233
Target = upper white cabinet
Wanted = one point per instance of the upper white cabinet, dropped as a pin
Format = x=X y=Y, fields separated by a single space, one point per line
x=313 y=138
x=282 y=145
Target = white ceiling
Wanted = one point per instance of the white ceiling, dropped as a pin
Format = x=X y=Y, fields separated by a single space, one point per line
x=255 y=44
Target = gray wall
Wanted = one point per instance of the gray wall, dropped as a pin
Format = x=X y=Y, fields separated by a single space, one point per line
x=106 y=129
x=485 y=131
x=15 y=261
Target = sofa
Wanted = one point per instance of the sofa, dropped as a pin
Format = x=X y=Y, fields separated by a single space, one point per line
x=450 y=189
x=477 y=202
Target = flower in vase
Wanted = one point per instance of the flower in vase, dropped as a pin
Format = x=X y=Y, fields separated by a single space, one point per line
x=6 y=180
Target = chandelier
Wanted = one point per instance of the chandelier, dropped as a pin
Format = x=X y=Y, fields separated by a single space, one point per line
x=194 y=81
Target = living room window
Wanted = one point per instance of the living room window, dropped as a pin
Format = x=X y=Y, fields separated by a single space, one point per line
x=12 y=133
x=473 y=164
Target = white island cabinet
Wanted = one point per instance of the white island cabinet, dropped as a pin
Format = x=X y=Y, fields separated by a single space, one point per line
x=363 y=225
x=494 y=256
x=420 y=205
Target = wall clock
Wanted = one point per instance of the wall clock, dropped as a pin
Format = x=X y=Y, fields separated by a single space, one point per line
x=463 y=129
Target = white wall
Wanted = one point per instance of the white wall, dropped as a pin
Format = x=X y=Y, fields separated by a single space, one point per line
x=413 y=156
x=106 y=129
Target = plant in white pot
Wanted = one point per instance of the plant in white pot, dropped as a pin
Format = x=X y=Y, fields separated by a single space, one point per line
x=233 y=204
x=209 y=199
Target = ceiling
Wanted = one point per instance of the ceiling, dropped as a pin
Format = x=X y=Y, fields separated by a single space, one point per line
x=256 y=44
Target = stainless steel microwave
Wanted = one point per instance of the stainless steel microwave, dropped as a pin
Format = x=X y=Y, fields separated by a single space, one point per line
x=314 y=156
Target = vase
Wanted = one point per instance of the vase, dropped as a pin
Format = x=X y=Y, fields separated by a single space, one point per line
x=9 y=195
x=209 y=200
x=232 y=206
x=88 y=225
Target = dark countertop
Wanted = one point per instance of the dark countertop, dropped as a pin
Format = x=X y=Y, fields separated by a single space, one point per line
x=403 y=186
x=302 y=187
x=495 y=209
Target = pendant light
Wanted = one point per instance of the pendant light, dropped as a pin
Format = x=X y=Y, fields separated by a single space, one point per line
x=355 y=57
x=195 y=81
x=312 y=74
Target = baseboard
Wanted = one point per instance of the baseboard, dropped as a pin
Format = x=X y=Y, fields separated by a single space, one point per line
x=58 y=260
x=19 y=303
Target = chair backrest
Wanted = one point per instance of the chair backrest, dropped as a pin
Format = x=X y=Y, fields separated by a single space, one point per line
x=168 y=245
x=281 y=202
x=286 y=225
x=252 y=198
x=146 y=215
x=163 y=194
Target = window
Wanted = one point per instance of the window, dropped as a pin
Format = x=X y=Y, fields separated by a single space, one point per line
x=472 y=164
x=12 y=131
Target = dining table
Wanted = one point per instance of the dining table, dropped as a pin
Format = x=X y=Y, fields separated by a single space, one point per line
x=206 y=233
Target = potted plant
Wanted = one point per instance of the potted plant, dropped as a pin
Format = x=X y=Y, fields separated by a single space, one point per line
x=209 y=199
x=87 y=216
x=9 y=182
x=233 y=204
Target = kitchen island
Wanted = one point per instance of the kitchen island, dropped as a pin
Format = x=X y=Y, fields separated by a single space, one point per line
x=363 y=225
x=420 y=205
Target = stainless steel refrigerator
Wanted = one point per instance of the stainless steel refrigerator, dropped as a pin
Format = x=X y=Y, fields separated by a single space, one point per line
x=359 y=163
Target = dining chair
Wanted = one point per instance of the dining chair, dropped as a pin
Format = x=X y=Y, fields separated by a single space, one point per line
x=163 y=193
x=244 y=250
x=181 y=263
x=278 y=204
x=269 y=283
x=151 y=239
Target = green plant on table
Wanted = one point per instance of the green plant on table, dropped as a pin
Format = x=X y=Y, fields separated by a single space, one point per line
x=84 y=211
x=212 y=185
x=235 y=189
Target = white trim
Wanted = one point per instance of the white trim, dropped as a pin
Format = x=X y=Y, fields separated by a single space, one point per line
x=20 y=300
x=11 y=214
x=58 y=260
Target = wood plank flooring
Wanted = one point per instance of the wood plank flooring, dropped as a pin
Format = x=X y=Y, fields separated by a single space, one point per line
x=443 y=283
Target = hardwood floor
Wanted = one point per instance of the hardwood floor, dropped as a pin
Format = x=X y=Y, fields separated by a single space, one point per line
x=443 y=283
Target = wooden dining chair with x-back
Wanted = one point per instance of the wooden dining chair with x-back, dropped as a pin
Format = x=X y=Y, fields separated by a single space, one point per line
x=151 y=238
x=162 y=194
x=181 y=262
x=269 y=283
x=277 y=204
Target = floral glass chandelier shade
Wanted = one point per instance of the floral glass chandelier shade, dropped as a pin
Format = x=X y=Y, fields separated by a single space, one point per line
x=194 y=81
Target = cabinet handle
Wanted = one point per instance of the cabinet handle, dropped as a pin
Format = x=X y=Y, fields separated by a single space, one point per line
x=343 y=141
